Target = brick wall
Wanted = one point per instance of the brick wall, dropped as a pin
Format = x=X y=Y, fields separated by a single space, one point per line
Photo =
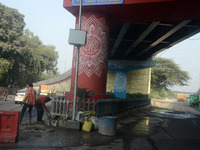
x=62 y=86
x=110 y=81
x=138 y=81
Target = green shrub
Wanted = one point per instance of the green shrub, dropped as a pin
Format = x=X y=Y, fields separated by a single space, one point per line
x=111 y=94
x=136 y=96
x=158 y=94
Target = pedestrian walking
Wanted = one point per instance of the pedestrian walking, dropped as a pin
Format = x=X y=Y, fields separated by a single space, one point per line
x=28 y=101
x=40 y=106
x=5 y=94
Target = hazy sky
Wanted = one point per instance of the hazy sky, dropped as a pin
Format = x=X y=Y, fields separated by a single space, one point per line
x=48 y=20
x=187 y=55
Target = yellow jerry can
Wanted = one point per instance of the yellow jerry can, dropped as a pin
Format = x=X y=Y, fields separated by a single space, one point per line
x=87 y=126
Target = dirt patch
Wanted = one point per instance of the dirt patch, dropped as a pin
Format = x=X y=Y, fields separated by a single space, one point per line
x=35 y=128
x=160 y=103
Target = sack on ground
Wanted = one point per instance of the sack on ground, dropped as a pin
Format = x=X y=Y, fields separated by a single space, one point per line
x=95 y=121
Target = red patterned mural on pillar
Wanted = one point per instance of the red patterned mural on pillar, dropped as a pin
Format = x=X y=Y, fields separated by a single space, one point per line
x=93 y=57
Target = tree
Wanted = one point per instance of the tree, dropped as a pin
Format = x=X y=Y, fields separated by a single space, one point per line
x=167 y=74
x=4 y=66
x=11 y=28
x=40 y=59
x=26 y=55
x=48 y=75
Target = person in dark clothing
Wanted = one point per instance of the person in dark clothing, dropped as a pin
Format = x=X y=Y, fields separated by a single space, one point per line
x=5 y=94
x=40 y=106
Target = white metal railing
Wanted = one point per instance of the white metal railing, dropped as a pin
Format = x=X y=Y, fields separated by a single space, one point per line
x=58 y=106
x=62 y=107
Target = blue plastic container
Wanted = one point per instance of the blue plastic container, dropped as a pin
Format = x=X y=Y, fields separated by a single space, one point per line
x=107 y=125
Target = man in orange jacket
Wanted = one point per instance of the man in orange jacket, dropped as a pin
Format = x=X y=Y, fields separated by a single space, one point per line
x=40 y=106
x=28 y=101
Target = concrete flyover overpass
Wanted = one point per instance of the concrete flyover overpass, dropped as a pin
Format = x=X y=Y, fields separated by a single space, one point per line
x=123 y=36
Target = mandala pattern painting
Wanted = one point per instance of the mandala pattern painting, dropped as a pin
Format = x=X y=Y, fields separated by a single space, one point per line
x=94 y=54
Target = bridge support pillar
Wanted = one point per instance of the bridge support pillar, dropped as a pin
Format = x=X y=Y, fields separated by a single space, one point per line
x=93 y=58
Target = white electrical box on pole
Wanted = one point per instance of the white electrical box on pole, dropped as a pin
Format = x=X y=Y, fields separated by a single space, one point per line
x=78 y=39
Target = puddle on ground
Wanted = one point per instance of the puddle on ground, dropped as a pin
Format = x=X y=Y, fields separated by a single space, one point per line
x=127 y=132
x=158 y=110
x=171 y=114
x=145 y=126
x=142 y=127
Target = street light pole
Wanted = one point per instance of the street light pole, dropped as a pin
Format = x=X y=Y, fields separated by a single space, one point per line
x=77 y=63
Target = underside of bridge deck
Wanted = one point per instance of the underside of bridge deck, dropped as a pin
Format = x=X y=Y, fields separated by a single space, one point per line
x=140 y=41
x=140 y=29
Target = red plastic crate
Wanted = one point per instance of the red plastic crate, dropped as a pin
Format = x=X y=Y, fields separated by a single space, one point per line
x=9 y=126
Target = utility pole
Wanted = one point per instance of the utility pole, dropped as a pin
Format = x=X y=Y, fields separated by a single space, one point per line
x=77 y=63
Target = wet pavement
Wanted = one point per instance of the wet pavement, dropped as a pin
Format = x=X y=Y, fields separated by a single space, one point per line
x=174 y=126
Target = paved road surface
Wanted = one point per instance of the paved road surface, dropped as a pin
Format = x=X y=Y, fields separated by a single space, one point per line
x=167 y=125
x=9 y=104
